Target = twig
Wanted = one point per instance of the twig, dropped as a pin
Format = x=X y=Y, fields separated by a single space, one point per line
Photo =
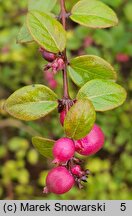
x=65 y=79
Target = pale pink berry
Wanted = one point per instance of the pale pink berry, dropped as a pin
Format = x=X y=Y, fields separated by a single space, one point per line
x=5 y=50
x=63 y=150
x=92 y=143
x=52 y=83
x=76 y=170
x=88 y=41
x=48 y=56
x=59 y=181
x=122 y=57
x=48 y=75
x=62 y=116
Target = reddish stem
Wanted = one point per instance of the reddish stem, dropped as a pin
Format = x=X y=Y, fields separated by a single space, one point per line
x=65 y=79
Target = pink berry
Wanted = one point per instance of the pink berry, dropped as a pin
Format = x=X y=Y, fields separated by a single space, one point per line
x=92 y=143
x=59 y=181
x=76 y=170
x=88 y=41
x=122 y=57
x=48 y=75
x=48 y=56
x=62 y=117
x=63 y=150
x=53 y=84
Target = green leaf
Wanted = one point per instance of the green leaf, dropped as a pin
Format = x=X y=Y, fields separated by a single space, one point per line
x=94 y=14
x=46 y=31
x=128 y=11
x=24 y=36
x=31 y=102
x=85 y=68
x=44 y=146
x=41 y=5
x=102 y=36
x=105 y=95
x=79 y=119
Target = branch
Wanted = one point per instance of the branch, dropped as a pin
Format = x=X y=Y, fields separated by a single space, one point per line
x=65 y=79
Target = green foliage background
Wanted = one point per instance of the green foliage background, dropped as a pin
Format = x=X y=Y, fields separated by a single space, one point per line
x=22 y=169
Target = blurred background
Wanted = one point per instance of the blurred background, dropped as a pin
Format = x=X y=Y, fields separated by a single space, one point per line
x=22 y=169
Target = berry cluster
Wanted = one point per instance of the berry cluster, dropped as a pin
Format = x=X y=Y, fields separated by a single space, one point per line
x=55 y=61
x=55 y=64
x=68 y=171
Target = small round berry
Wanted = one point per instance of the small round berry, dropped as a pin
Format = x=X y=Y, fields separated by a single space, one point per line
x=92 y=143
x=88 y=41
x=53 y=83
x=63 y=150
x=122 y=57
x=48 y=56
x=62 y=117
x=48 y=75
x=59 y=181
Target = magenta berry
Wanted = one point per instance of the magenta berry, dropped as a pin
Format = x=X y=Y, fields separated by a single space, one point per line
x=59 y=181
x=63 y=150
x=48 y=56
x=62 y=117
x=52 y=83
x=92 y=143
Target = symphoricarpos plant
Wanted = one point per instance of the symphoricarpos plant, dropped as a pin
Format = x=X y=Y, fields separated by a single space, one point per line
x=95 y=77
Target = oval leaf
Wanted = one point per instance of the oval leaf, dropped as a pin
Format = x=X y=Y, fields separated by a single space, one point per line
x=44 y=146
x=105 y=95
x=94 y=14
x=46 y=31
x=85 y=68
x=24 y=36
x=40 y=5
x=79 y=119
x=31 y=102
